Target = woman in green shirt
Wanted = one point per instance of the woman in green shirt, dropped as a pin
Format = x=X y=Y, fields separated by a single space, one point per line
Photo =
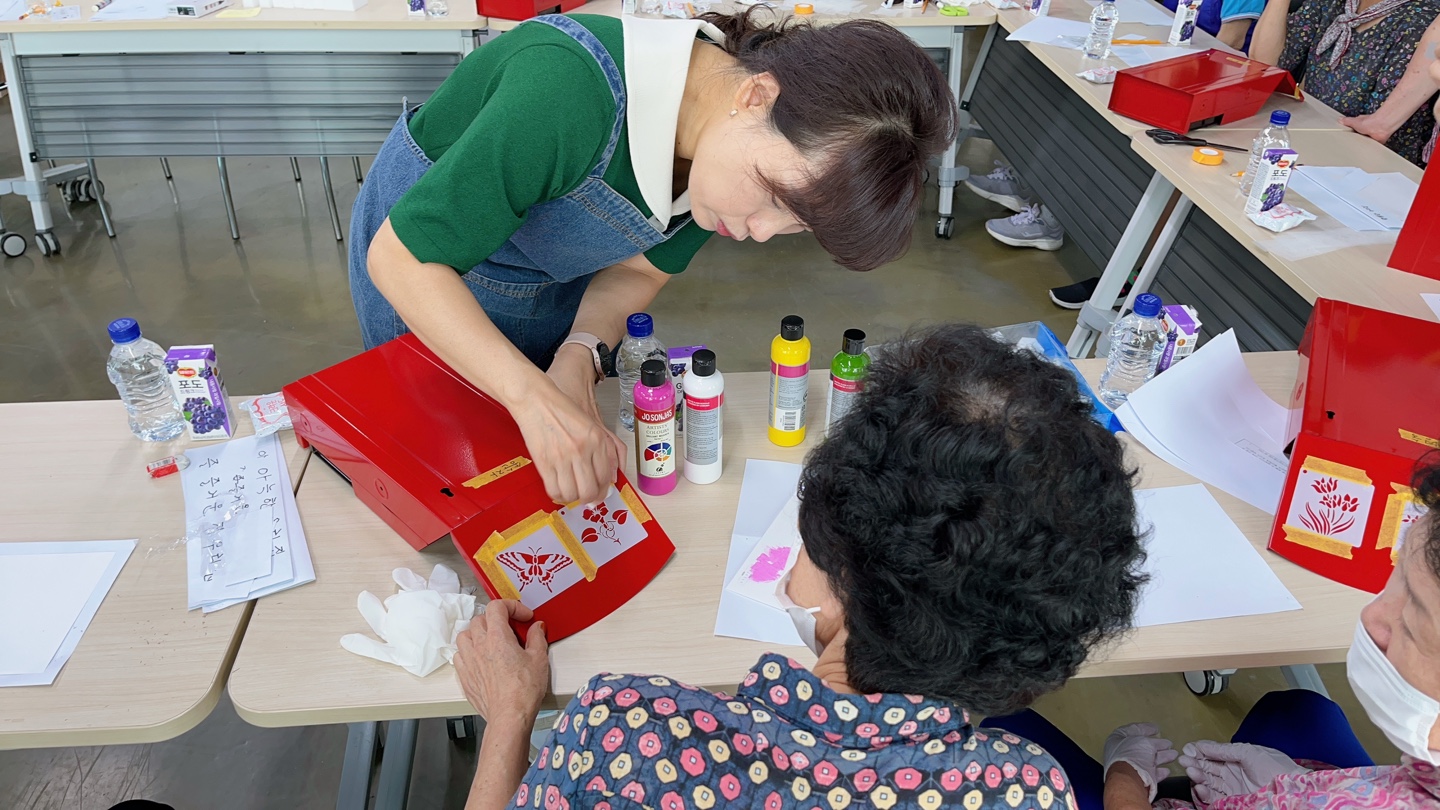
x=555 y=181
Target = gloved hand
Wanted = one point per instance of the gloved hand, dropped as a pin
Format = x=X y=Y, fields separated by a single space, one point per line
x=1233 y=769
x=1140 y=746
x=417 y=626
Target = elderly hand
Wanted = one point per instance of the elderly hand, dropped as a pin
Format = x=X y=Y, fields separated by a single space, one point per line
x=1140 y=746
x=1371 y=126
x=506 y=683
x=1233 y=769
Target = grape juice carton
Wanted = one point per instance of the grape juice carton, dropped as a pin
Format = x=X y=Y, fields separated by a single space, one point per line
x=1274 y=174
x=1182 y=329
x=196 y=381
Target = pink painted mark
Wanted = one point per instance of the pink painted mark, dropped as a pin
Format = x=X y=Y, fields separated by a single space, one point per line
x=770 y=565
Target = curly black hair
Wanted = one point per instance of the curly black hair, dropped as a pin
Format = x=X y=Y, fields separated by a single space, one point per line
x=1426 y=485
x=977 y=525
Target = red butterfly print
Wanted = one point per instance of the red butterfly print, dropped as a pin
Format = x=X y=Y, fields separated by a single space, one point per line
x=605 y=523
x=534 y=567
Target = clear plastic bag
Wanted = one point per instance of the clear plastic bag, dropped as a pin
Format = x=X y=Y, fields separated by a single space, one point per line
x=1037 y=337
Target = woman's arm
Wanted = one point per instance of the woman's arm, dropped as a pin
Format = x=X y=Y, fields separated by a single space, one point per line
x=1410 y=93
x=1233 y=33
x=574 y=453
x=1269 y=39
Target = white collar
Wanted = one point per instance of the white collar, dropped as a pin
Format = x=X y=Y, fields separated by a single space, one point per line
x=657 y=59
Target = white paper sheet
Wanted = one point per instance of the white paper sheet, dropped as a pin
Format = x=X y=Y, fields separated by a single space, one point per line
x=1142 y=12
x=131 y=10
x=1200 y=564
x=1052 y=31
x=1360 y=200
x=770 y=559
x=1137 y=55
x=49 y=592
x=767 y=487
x=1210 y=419
x=1433 y=301
x=10 y=10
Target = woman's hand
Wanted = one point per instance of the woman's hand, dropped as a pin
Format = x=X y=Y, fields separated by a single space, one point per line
x=506 y=683
x=1371 y=126
x=574 y=452
x=1140 y=746
x=1233 y=769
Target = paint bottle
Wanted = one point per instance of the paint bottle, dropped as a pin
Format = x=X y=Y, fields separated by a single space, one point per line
x=847 y=376
x=655 y=428
x=789 y=382
x=704 y=419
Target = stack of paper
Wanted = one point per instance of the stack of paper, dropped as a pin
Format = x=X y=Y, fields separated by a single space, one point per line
x=1200 y=564
x=1137 y=55
x=764 y=518
x=1359 y=200
x=1052 y=31
x=49 y=592
x=1207 y=416
x=243 y=534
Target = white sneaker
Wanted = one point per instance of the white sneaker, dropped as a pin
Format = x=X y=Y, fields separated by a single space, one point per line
x=1033 y=227
x=1003 y=186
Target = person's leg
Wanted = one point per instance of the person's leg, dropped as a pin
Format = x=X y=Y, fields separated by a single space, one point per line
x=1303 y=725
x=1087 y=778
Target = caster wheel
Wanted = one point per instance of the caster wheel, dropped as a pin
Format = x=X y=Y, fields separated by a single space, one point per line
x=460 y=728
x=13 y=244
x=945 y=228
x=94 y=189
x=48 y=244
x=1206 y=682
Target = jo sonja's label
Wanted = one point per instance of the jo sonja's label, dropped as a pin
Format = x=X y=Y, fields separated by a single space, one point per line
x=789 y=387
x=842 y=397
x=655 y=442
x=702 y=430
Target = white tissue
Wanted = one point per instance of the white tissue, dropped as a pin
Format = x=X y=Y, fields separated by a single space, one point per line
x=417 y=626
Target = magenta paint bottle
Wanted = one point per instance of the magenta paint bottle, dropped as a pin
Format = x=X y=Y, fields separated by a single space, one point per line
x=655 y=452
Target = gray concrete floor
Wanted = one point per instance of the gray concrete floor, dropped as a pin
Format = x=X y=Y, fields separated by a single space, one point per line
x=276 y=305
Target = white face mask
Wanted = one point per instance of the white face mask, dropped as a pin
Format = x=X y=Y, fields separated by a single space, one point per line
x=803 y=617
x=1404 y=713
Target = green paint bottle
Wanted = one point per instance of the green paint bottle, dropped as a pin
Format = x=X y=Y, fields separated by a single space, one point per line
x=847 y=376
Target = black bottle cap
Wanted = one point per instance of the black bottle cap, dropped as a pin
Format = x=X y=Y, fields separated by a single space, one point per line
x=792 y=327
x=702 y=363
x=653 y=373
x=854 y=342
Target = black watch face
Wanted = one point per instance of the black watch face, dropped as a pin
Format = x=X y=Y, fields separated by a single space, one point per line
x=607 y=359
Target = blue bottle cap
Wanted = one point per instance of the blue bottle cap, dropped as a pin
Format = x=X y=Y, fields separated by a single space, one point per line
x=124 y=330
x=1147 y=305
x=640 y=325
x=1280 y=118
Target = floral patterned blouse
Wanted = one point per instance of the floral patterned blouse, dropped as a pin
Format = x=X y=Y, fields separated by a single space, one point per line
x=785 y=740
x=1411 y=785
x=1370 y=69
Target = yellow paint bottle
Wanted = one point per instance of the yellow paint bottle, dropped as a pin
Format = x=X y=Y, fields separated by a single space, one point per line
x=789 y=382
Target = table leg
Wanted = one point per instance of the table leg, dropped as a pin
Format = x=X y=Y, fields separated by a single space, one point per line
x=355 y=773
x=35 y=188
x=950 y=175
x=1169 y=232
x=1304 y=676
x=330 y=197
x=229 y=201
x=397 y=762
x=1098 y=313
x=100 y=198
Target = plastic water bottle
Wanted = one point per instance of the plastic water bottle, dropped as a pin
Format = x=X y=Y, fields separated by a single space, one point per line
x=1102 y=29
x=1275 y=136
x=137 y=367
x=639 y=345
x=1136 y=341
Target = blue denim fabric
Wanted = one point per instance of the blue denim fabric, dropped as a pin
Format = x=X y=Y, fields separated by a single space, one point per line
x=531 y=286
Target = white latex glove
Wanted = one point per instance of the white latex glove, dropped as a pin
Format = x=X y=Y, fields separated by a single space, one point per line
x=417 y=626
x=1140 y=746
x=1220 y=770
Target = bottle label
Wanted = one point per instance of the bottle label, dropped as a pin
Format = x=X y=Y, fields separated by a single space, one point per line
x=655 y=442
x=704 y=429
x=789 y=388
x=842 y=397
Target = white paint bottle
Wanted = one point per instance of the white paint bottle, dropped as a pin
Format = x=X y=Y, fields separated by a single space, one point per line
x=704 y=419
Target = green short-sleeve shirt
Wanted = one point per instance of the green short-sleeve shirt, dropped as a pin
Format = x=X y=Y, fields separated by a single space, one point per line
x=522 y=120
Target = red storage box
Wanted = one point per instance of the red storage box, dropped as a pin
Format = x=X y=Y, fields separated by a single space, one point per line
x=524 y=9
x=432 y=455
x=1418 y=248
x=1363 y=411
x=1197 y=90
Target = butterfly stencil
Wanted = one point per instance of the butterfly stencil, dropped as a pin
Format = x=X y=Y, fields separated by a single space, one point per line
x=534 y=566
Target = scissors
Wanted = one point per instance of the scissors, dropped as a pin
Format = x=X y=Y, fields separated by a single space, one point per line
x=1165 y=136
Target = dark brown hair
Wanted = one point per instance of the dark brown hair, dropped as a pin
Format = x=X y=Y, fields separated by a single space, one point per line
x=1426 y=485
x=871 y=104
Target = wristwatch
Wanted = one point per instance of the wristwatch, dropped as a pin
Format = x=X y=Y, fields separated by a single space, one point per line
x=599 y=352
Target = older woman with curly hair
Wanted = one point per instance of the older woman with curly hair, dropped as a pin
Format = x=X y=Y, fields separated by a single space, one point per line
x=968 y=539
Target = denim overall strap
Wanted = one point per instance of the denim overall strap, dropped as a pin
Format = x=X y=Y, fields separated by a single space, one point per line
x=587 y=40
